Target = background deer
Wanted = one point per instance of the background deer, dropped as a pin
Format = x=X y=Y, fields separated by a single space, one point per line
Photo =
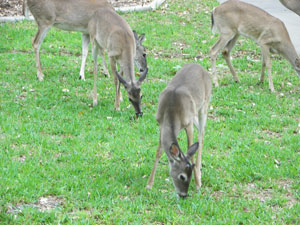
x=183 y=102
x=109 y=31
x=293 y=5
x=72 y=15
x=234 y=18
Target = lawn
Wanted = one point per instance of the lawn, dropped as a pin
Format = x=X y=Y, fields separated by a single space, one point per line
x=63 y=161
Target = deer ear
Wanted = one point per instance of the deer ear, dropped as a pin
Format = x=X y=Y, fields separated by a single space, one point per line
x=175 y=152
x=192 y=150
x=135 y=35
x=143 y=76
x=142 y=38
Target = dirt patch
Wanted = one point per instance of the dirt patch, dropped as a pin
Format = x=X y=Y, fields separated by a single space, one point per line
x=281 y=189
x=43 y=204
x=11 y=8
x=15 y=7
x=252 y=191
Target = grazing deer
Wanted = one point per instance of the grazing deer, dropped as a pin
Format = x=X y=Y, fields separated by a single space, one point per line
x=109 y=31
x=234 y=18
x=184 y=102
x=72 y=15
x=293 y=5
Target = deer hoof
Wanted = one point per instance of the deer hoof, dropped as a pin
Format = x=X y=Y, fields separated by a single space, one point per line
x=237 y=80
x=40 y=76
x=149 y=187
x=95 y=103
x=81 y=77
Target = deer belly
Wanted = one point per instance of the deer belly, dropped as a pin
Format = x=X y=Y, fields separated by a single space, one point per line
x=71 y=27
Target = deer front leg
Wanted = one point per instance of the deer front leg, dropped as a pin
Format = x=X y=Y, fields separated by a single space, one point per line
x=189 y=133
x=202 y=124
x=158 y=155
x=36 y=43
x=117 y=83
x=263 y=68
x=85 y=50
x=266 y=57
x=105 y=70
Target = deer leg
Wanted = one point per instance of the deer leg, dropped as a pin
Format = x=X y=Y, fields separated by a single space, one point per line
x=189 y=133
x=202 y=124
x=263 y=68
x=157 y=157
x=266 y=57
x=36 y=43
x=117 y=83
x=95 y=50
x=85 y=51
x=120 y=93
x=105 y=70
x=226 y=55
x=221 y=43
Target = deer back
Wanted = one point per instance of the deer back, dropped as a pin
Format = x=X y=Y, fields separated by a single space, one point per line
x=66 y=14
x=186 y=93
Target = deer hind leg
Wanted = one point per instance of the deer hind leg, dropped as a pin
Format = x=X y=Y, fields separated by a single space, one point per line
x=226 y=55
x=85 y=51
x=157 y=157
x=267 y=63
x=95 y=50
x=36 y=43
x=202 y=124
x=117 y=83
x=221 y=43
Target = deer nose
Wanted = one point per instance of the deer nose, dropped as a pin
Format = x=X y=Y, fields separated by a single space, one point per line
x=182 y=195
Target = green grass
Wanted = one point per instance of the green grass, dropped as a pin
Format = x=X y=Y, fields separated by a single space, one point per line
x=96 y=161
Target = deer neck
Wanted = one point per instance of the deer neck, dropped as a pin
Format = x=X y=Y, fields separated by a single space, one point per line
x=128 y=65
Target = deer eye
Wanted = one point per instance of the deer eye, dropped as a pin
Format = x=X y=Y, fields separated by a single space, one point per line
x=182 y=177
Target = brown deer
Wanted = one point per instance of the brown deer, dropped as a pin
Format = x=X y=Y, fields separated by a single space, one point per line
x=184 y=102
x=110 y=32
x=234 y=18
x=73 y=15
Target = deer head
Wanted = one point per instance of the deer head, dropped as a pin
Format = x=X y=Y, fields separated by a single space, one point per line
x=180 y=168
x=134 y=91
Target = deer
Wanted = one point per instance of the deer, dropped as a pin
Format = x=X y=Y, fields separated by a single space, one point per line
x=73 y=15
x=182 y=104
x=109 y=32
x=293 y=5
x=234 y=18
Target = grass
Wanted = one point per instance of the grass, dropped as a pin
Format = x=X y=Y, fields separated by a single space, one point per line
x=90 y=165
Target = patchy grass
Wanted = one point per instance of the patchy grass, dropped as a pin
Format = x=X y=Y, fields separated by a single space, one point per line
x=63 y=161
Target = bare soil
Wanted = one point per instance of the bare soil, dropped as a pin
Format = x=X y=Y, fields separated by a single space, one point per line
x=15 y=7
